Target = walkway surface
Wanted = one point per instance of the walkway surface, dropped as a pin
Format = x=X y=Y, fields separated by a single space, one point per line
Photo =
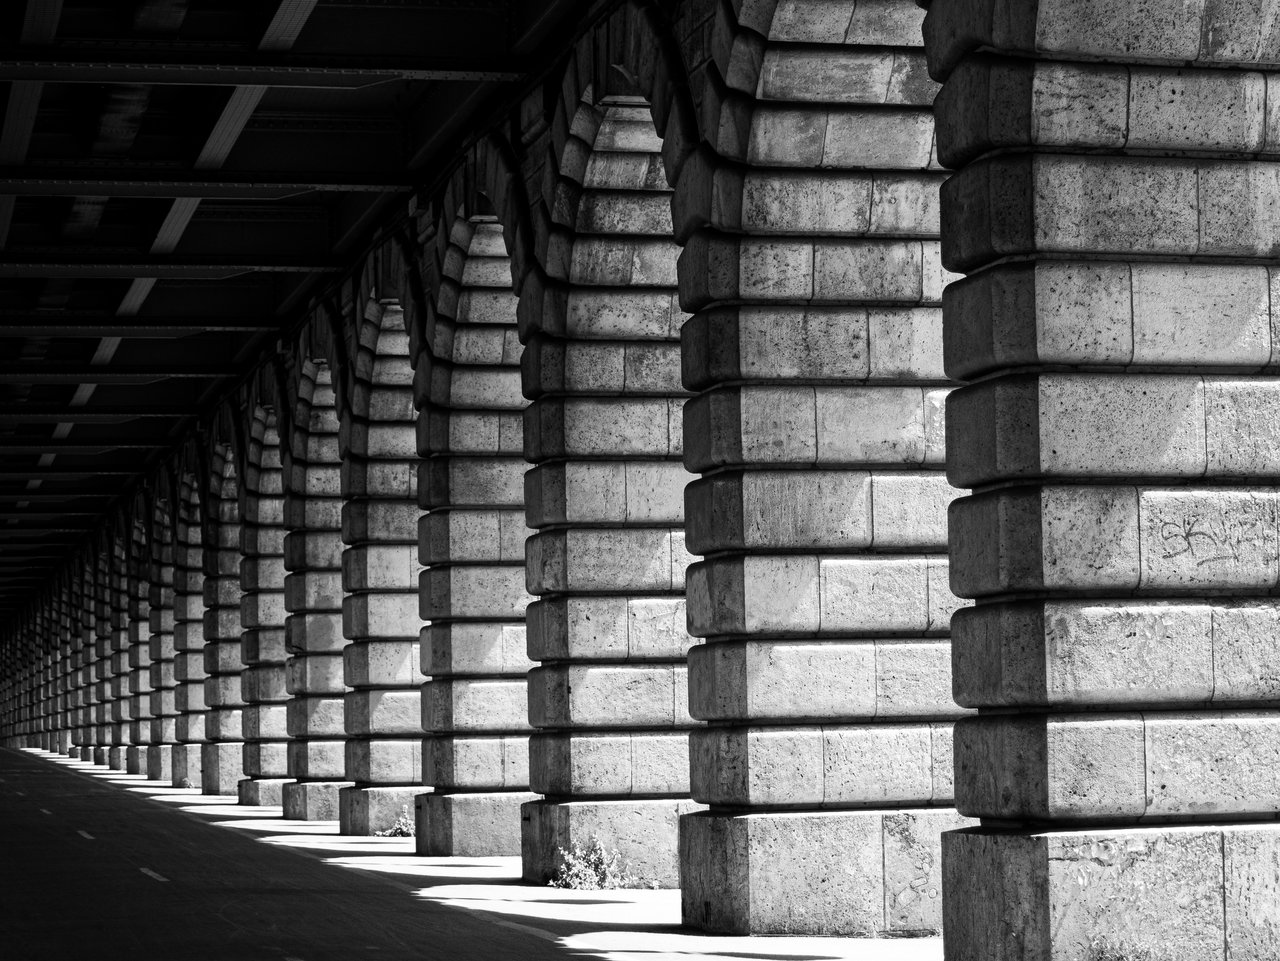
x=103 y=865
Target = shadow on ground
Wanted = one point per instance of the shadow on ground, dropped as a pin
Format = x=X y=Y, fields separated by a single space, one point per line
x=606 y=925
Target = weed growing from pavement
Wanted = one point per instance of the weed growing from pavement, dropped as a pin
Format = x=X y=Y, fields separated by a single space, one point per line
x=402 y=828
x=593 y=868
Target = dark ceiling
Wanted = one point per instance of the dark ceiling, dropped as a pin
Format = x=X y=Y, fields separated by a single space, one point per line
x=177 y=179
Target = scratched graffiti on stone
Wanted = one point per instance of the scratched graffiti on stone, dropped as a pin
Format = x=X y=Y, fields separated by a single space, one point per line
x=1210 y=541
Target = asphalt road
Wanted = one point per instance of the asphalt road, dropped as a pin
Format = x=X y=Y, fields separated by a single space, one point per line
x=89 y=871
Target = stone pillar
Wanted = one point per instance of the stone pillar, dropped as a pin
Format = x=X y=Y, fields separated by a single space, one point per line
x=1122 y=539
x=313 y=598
x=188 y=644
x=475 y=705
x=222 y=754
x=601 y=365
x=82 y=662
x=119 y=713
x=262 y=613
x=139 y=657
x=160 y=621
x=67 y=682
x=810 y=228
x=102 y=643
x=380 y=570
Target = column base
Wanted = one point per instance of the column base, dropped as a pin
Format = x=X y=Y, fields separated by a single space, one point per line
x=262 y=791
x=846 y=873
x=160 y=762
x=363 y=810
x=115 y=758
x=1178 y=893
x=135 y=760
x=188 y=770
x=642 y=832
x=221 y=767
x=98 y=755
x=312 y=800
x=470 y=825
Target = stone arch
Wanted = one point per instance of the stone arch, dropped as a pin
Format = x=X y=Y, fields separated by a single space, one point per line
x=467 y=388
x=380 y=565
x=601 y=326
x=262 y=610
x=809 y=218
x=313 y=583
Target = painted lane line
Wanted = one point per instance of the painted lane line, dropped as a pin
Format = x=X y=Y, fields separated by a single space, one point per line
x=20 y=793
x=152 y=874
x=46 y=811
x=86 y=835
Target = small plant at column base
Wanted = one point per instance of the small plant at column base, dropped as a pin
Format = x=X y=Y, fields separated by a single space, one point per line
x=594 y=869
x=403 y=827
x=1103 y=949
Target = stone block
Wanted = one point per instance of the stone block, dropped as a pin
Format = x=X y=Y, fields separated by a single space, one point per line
x=608 y=628
x=470 y=825
x=594 y=560
x=220 y=768
x=834 y=873
x=383 y=712
x=382 y=761
x=621 y=695
x=364 y=810
x=493 y=535
x=471 y=649
x=313 y=760
x=476 y=762
x=1189 y=892
x=480 y=704
x=832 y=766
x=757 y=680
x=482 y=591
x=381 y=663
x=622 y=764
x=605 y=492
x=643 y=832
x=312 y=800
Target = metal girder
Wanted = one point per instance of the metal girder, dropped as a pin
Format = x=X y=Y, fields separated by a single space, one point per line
x=98 y=263
x=106 y=414
x=71 y=323
x=198 y=66
x=109 y=373
x=82 y=180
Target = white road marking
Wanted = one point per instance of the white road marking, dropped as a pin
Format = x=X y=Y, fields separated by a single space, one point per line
x=86 y=835
x=151 y=874
x=46 y=811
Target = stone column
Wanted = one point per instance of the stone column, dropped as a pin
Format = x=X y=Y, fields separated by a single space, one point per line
x=139 y=658
x=67 y=682
x=313 y=598
x=160 y=621
x=82 y=662
x=262 y=614
x=475 y=704
x=380 y=570
x=188 y=644
x=1118 y=330
x=119 y=714
x=102 y=644
x=222 y=754
x=810 y=228
x=601 y=364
